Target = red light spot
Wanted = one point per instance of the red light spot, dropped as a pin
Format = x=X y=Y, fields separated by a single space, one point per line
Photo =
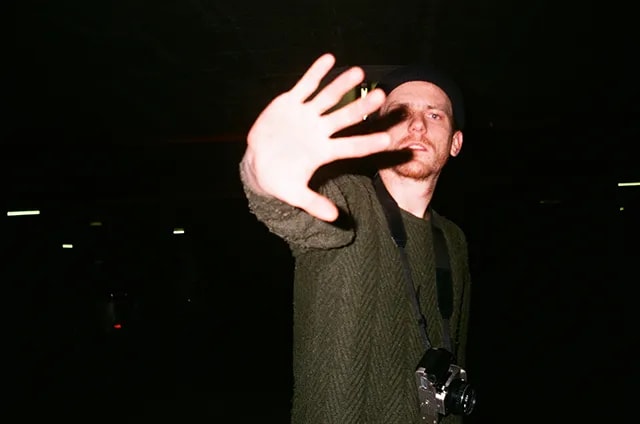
x=117 y=326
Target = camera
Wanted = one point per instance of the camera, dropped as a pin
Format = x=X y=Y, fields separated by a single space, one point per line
x=442 y=386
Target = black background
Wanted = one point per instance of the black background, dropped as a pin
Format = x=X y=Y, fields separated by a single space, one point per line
x=134 y=114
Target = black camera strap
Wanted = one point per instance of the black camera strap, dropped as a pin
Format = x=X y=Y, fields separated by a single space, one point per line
x=443 y=268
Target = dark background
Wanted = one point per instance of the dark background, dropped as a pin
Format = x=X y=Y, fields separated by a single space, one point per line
x=134 y=113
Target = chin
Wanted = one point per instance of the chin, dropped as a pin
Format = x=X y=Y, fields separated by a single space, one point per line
x=413 y=169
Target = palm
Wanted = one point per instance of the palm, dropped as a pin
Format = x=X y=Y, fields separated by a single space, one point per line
x=291 y=138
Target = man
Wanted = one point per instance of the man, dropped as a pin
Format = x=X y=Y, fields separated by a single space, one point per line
x=356 y=338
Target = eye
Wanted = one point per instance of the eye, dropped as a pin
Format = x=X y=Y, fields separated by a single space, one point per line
x=393 y=117
x=435 y=115
x=400 y=113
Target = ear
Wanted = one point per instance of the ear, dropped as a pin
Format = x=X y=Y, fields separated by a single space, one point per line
x=456 y=143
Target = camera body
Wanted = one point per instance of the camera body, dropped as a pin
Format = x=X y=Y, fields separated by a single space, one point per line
x=442 y=386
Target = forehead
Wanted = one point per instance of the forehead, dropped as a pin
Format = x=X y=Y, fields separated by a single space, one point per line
x=419 y=93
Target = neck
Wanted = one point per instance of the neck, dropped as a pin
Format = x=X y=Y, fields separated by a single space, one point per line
x=411 y=195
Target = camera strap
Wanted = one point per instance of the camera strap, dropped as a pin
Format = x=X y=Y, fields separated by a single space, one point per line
x=444 y=283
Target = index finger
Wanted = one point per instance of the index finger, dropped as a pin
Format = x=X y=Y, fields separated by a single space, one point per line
x=310 y=80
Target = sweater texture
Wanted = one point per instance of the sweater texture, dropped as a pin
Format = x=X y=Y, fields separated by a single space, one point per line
x=356 y=343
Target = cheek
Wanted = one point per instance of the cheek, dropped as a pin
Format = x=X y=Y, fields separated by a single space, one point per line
x=396 y=133
x=443 y=146
x=439 y=135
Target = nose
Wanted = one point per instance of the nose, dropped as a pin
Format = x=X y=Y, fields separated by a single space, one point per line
x=417 y=123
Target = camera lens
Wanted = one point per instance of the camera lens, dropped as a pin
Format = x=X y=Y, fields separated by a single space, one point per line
x=461 y=398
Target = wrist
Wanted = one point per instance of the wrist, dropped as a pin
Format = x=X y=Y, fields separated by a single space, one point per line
x=248 y=174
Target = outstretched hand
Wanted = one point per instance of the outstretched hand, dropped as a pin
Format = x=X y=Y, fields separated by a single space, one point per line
x=292 y=137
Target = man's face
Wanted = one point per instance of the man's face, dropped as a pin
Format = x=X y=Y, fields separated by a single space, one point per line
x=425 y=128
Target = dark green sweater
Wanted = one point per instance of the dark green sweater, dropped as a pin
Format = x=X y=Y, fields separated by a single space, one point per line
x=356 y=343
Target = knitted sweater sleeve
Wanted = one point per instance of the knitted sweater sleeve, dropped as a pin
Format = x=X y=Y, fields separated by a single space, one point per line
x=296 y=227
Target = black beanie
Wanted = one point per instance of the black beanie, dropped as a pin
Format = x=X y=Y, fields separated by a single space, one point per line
x=430 y=74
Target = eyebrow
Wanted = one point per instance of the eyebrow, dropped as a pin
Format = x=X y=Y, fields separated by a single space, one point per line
x=442 y=108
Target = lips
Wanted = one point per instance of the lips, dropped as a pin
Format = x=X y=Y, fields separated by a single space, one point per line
x=416 y=147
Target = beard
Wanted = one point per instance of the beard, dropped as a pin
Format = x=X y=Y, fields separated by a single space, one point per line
x=422 y=164
x=414 y=169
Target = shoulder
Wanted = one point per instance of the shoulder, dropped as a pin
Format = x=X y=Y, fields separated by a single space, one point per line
x=344 y=185
x=456 y=243
x=453 y=231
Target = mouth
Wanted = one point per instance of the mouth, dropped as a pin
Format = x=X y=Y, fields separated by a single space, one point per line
x=416 y=147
